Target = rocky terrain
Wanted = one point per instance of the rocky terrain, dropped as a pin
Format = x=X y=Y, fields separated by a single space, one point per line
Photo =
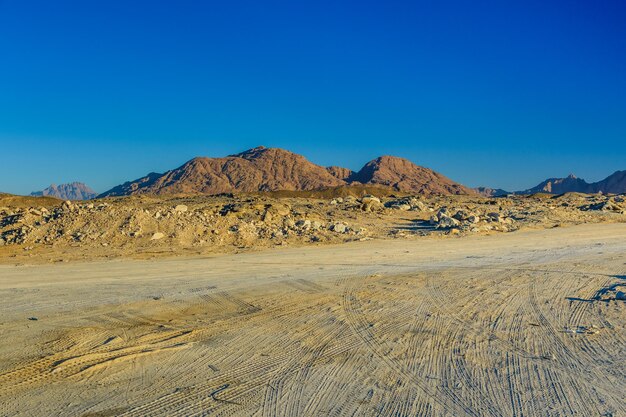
x=71 y=191
x=142 y=226
x=272 y=169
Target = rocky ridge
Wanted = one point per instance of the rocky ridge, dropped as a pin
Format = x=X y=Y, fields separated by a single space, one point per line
x=613 y=184
x=273 y=169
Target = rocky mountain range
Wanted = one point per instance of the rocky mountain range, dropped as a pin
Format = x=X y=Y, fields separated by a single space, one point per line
x=613 y=184
x=272 y=169
x=71 y=191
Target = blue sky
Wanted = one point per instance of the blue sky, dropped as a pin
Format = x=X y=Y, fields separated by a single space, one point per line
x=496 y=93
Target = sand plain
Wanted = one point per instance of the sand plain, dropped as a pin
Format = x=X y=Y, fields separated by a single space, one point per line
x=516 y=324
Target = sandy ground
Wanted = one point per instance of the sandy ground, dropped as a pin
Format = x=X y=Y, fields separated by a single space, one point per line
x=517 y=324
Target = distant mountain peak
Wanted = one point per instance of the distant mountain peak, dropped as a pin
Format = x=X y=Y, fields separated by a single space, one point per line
x=70 y=191
x=613 y=184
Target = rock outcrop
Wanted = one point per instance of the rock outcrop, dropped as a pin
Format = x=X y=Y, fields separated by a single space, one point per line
x=340 y=172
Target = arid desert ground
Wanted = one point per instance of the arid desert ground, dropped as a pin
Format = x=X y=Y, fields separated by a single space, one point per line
x=528 y=323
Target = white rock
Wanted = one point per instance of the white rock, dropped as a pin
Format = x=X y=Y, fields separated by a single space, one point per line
x=181 y=208
x=339 y=228
x=369 y=198
x=447 y=222
x=157 y=236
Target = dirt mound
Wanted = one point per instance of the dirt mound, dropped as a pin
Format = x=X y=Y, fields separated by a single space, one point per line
x=22 y=201
x=353 y=190
x=403 y=175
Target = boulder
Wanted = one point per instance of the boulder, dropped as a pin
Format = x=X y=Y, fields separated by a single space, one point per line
x=369 y=198
x=181 y=208
x=157 y=236
x=442 y=212
x=372 y=205
x=447 y=222
x=339 y=228
x=495 y=217
x=304 y=224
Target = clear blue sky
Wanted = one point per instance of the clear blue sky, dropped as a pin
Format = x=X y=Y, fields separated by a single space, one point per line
x=496 y=93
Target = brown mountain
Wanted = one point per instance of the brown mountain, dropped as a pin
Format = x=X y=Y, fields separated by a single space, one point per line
x=403 y=175
x=340 y=172
x=272 y=169
x=258 y=169
x=71 y=191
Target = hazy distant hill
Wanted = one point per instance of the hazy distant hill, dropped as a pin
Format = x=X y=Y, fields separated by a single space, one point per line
x=71 y=191
x=614 y=184
x=490 y=192
x=272 y=169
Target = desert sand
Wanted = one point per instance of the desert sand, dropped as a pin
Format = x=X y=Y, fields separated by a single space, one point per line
x=512 y=324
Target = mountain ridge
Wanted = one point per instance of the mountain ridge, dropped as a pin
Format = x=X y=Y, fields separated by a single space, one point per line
x=613 y=184
x=275 y=169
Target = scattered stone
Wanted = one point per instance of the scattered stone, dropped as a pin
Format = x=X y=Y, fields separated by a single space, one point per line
x=447 y=222
x=339 y=228
x=157 y=236
x=473 y=219
x=304 y=224
x=495 y=217
x=181 y=208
